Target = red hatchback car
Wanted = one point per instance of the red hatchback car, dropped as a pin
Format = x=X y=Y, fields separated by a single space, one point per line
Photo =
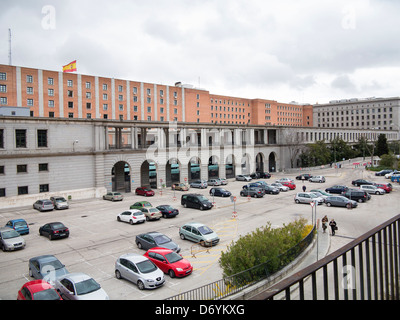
x=169 y=262
x=289 y=184
x=385 y=186
x=38 y=290
x=144 y=191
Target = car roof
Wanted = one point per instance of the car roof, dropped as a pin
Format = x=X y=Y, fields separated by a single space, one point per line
x=194 y=224
x=44 y=258
x=38 y=285
x=133 y=257
x=133 y=211
x=77 y=276
x=5 y=229
x=160 y=250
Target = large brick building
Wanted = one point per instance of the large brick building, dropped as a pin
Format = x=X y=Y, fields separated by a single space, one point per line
x=71 y=95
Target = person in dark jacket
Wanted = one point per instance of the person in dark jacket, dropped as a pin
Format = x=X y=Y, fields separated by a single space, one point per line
x=333 y=226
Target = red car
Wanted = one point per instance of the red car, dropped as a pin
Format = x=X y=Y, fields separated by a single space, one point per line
x=385 y=186
x=289 y=184
x=38 y=290
x=169 y=262
x=144 y=191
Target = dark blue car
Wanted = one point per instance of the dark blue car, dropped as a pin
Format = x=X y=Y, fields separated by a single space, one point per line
x=167 y=211
x=220 y=192
x=18 y=225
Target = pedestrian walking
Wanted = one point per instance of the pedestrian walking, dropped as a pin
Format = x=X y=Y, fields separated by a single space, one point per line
x=324 y=223
x=304 y=188
x=333 y=226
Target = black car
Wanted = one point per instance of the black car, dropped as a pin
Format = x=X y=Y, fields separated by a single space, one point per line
x=260 y=175
x=167 y=211
x=304 y=176
x=252 y=185
x=154 y=239
x=197 y=201
x=220 y=192
x=337 y=189
x=383 y=172
x=357 y=195
x=54 y=230
x=252 y=192
x=360 y=182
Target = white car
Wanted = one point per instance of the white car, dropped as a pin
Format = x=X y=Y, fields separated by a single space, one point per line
x=243 y=177
x=389 y=175
x=372 y=189
x=284 y=180
x=280 y=186
x=79 y=286
x=319 y=179
x=132 y=216
x=307 y=197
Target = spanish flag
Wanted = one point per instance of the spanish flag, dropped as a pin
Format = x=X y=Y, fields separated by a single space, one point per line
x=70 y=67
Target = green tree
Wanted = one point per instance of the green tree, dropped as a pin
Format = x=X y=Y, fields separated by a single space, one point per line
x=381 y=145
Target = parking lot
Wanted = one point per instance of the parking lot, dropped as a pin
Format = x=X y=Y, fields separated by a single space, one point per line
x=97 y=239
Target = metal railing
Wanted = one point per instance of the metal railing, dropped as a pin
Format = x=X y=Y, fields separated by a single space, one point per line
x=237 y=282
x=365 y=269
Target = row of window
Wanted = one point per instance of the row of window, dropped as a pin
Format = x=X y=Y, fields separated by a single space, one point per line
x=357 y=111
x=23 y=168
x=21 y=138
x=25 y=190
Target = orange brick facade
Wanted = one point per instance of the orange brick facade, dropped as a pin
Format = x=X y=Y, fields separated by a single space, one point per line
x=71 y=95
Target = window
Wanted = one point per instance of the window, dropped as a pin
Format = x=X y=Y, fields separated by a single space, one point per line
x=88 y=85
x=3 y=76
x=104 y=86
x=105 y=97
x=50 y=92
x=2 y=170
x=1 y=138
x=20 y=138
x=3 y=100
x=43 y=167
x=29 y=102
x=3 y=88
x=69 y=83
x=43 y=188
x=22 y=190
x=22 y=168
x=51 y=104
x=70 y=115
x=70 y=93
x=50 y=81
x=29 y=79
x=42 y=138
x=2 y=192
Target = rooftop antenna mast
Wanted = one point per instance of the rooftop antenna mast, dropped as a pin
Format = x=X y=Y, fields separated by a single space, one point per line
x=9 y=46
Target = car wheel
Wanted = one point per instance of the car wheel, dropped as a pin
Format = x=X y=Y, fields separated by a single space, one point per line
x=30 y=273
x=185 y=205
x=131 y=221
x=201 y=208
x=328 y=204
x=171 y=273
x=118 y=274
x=360 y=200
x=140 y=285
x=348 y=206
x=139 y=245
x=377 y=192
x=118 y=219
x=50 y=237
x=182 y=236
x=297 y=201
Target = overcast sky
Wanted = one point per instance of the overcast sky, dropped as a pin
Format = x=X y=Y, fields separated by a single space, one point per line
x=306 y=51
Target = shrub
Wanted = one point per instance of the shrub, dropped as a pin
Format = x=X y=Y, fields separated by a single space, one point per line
x=262 y=245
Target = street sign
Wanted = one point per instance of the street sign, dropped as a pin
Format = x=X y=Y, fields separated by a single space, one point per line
x=312 y=204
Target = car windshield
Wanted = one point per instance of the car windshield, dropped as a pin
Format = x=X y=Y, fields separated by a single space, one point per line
x=146 y=204
x=61 y=200
x=168 y=208
x=117 y=194
x=153 y=210
x=57 y=226
x=86 y=286
x=56 y=264
x=205 y=230
x=161 y=239
x=173 y=257
x=313 y=195
x=20 y=224
x=9 y=234
x=49 y=294
x=138 y=213
x=202 y=198
x=146 y=266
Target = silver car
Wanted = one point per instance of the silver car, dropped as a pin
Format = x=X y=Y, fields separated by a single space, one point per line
x=79 y=286
x=243 y=177
x=198 y=232
x=307 y=197
x=319 y=179
x=202 y=184
x=372 y=189
x=43 y=205
x=214 y=182
x=139 y=270
x=113 y=196
x=59 y=203
x=46 y=267
x=11 y=239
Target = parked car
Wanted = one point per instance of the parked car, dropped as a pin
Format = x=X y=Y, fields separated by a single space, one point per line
x=139 y=270
x=180 y=187
x=144 y=191
x=54 y=230
x=337 y=189
x=304 y=176
x=320 y=179
x=59 y=203
x=198 y=232
x=43 y=205
x=132 y=216
x=46 y=267
x=151 y=213
x=243 y=177
x=153 y=239
x=11 y=239
x=141 y=204
x=213 y=182
x=390 y=174
x=307 y=197
x=113 y=196
x=271 y=190
x=167 y=211
x=201 y=184
x=79 y=286
x=223 y=181
x=359 y=182
x=371 y=189
x=220 y=192
x=282 y=180
x=290 y=184
x=197 y=201
x=321 y=192
x=383 y=172
x=340 y=201
x=38 y=290
x=385 y=186
x=252 y=192
x=19 y=225
x=264 y=175
x=280 y=186
x=169 y=262
x=356 y=195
